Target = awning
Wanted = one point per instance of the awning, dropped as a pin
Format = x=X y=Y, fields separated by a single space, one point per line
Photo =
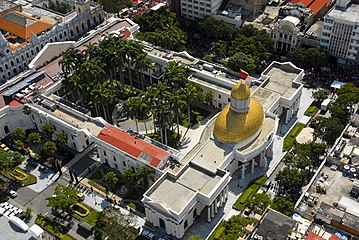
x=36 y=230
x=20 y=223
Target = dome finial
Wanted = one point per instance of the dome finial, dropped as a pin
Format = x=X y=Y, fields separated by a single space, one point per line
x=240 y=91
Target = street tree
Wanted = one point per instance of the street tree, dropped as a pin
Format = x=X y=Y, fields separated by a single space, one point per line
x=259 y=202
x=241 y=61
x=321 y=95
x=63 y=198
x=112 y=224
x=111 y=179
x=283 y=205
x=291 y=180
x=329 y=129
x=48 y=130
x=19 y=134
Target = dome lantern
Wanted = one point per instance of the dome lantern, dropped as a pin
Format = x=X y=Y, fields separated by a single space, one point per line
x=240 y=97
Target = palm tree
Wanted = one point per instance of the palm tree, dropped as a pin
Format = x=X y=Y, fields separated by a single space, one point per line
x=144 y=174
x=71 y=60
x=178 y=100
x=193 y=95
x=91 y=51
x=130 y=108
x=129 y=52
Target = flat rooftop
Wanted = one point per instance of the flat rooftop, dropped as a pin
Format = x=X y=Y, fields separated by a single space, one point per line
x=175 y=194
x=212 y=155
x=5 y=5
x=280 y=84
x=172 y=195
x=199 y=180
x=350 y=14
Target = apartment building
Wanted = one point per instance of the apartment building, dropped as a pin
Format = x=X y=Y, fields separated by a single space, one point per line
x=340 y=36
x=196 y=9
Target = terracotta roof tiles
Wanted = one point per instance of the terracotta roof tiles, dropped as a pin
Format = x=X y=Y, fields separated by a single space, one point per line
x=132 y=145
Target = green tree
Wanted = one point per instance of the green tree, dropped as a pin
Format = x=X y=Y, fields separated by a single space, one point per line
x=291 y=180
x=63 y=198
x=129 y=174
x=259 y=202
x=61 y=138
x=308 y=58
x=111 y=179
x=28 y=214
x=48 y=130
x=329 y=129
x=19 y=134
x=295 y=161
x=19 y=143
x=112 y=224
x=144 y=174
x=50 y=148
x=220 y=49
x=321 y=95
x=283 y=205
x=241 y=61
x=9 y=160
x=26 y=109
x=34 y=138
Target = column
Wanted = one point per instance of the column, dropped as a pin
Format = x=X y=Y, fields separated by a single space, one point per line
x=216 y=205
x=212 y=210
x=208 y=214
x=243 y=170
x=287 y=117
x=221 y=199
x=253 y=162
x=227 y=189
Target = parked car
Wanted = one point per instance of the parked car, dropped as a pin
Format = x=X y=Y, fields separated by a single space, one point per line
x=43 y=169
x=12 y=193
x=32 y=162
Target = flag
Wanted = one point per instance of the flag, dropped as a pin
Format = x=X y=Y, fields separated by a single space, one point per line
x=243 y=74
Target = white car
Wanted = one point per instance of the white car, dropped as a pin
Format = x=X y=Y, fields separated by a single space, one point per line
x=12 y=193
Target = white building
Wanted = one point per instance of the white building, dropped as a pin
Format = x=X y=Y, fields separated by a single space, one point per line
x=287 y=34
x=242 y=140
x=24 y=33
x=340 y=36
x=196 y=9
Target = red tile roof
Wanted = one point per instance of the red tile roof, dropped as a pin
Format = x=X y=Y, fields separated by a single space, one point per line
x=132 y=145
x=15 y=103
x=317 y=5
x=314 y=5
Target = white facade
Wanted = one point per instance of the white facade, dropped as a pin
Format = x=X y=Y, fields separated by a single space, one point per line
x=286 y=34
x=340 y=36
x=196 y=9
x=86 y=17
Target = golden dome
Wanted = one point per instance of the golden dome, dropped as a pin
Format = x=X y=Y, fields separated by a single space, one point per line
x=235 y=127
x=240 y=91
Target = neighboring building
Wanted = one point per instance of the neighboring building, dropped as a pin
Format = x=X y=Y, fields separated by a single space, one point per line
x=312 y=36
x=232 y=14
x=274 y=225
x=253 y=7
x=27 y=29
x=286 y=34
x=340 y=36
x=197 y=9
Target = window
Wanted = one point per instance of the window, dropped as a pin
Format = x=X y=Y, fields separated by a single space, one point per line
x=124 y=163
x=114 y=158
x=116 y=166
x=87 y=142
x=185 y=225
x=6 y=66
x=229 y=99
x=104 y=152
x=219 y=96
